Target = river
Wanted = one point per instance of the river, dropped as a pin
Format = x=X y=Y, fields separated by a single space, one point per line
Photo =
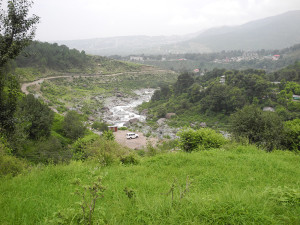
x=121 y=110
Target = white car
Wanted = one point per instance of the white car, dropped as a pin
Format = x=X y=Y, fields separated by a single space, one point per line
x=132 y=135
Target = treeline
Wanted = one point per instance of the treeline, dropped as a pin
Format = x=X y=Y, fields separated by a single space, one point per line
x=221 y=93
x=290 y=73
x=51 y=56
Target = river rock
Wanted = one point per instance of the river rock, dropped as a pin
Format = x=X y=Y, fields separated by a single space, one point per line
x=91 y=118
x=203 y=124
x=145 y=112
x=133 y=121
x=161 y=121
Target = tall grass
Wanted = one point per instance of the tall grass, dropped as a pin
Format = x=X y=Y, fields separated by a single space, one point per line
x=239 y=186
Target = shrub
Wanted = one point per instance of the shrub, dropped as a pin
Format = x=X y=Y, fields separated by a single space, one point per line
x=51 y=151
x=291 y=139
x=131 y=158
x=81 y=144
x=100 y=126
x=205 y=138
x=10 y=165
x=108 y=135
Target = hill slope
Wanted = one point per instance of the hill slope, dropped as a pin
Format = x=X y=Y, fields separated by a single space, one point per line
x=270 y=33
x=274 y=32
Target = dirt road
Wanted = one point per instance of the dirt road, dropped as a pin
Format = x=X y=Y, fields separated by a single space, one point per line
x=137 y=143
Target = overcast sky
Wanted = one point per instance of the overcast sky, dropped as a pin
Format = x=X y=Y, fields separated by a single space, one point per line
x=83 y=19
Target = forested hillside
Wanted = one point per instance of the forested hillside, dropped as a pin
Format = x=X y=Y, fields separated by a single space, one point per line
x=224 y=99
x=42 y=59
x=52 y=56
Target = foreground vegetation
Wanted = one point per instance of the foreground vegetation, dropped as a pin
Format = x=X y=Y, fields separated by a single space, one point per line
x=231 y=185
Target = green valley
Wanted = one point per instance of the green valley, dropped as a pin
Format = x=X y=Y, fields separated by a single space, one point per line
x=88 y=139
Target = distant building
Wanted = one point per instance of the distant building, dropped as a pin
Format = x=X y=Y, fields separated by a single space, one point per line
x=296 y=97
x=113 y=128
x=136 y=58
x=222 y=79
x=268 y=109
x=275 y=57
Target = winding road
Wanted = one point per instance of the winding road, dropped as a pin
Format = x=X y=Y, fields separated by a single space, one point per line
x=24 y=86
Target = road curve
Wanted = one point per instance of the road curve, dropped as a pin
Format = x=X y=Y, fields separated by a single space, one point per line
x=24 y=86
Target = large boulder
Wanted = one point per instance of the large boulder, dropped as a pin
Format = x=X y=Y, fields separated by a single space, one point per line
x=133 y=121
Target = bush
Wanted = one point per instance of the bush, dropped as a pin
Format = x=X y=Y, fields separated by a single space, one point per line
x=205 y=138
x=106 y=152
x=100 y=126
x=51 y=151
x=291 y=139
x=109 y=135
x=10 y=165
x=80 y=146
x=129 y=159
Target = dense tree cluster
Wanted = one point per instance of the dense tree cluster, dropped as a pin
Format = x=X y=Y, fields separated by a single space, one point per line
x=243 y=93
x=52 y=56
x=238 y=89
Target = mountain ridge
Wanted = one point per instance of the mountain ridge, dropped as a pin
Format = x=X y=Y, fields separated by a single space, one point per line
x=275 y=32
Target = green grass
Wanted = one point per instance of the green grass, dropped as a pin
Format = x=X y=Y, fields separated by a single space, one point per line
x=243 y=185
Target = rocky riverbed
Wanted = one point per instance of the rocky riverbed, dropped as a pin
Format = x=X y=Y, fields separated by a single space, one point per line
x=119 y=109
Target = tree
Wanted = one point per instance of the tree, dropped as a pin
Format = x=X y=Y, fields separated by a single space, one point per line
x=16 y=29
x=37 y=116
x=262 y=128
x=16 y=32
x=73 y=127
x=184 y=81
x=291 y=138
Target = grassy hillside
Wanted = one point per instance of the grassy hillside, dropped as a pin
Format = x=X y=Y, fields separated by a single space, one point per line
x=242 y=185
x=89 y=93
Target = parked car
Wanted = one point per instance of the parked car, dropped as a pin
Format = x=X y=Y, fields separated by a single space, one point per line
x=132 y=135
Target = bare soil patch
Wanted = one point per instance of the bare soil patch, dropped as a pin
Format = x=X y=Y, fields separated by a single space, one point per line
x=137 y=143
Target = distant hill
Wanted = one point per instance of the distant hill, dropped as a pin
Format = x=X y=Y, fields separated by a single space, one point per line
x=124 y=45
x=274 y=32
